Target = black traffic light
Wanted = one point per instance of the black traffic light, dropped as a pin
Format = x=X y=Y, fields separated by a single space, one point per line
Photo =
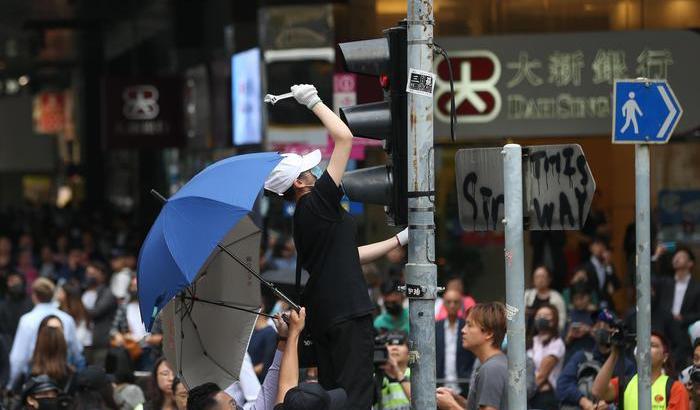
x=384 y=58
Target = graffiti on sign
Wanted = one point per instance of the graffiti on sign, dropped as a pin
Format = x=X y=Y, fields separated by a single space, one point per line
x=558 y=188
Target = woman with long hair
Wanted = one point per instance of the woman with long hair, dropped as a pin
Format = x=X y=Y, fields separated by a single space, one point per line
x=547 y=353
x=51 y=352
x=161 y=388
x=69 y=301
x=666 y=391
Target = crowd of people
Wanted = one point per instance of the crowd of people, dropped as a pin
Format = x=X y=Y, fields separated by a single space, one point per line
x=71 y=335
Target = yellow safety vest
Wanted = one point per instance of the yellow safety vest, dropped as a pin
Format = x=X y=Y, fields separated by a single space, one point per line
x=658 y=394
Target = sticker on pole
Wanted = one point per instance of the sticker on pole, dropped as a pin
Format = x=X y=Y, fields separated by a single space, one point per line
x=420 y=82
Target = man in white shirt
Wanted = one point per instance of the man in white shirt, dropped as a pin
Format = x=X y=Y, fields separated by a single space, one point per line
x=453 y=362
x=25 y=338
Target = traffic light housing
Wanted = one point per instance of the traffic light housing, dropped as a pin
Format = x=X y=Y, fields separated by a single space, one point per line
x=384 y=58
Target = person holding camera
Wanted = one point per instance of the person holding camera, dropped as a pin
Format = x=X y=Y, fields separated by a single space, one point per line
x=396 y=383
x=575 y=382
x=325 y=235
x=666 y=393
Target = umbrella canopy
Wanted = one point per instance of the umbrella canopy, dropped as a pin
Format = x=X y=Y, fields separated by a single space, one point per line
x=205 y=335
x=192 y=224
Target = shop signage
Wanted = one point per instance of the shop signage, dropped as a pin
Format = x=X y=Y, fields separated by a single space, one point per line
x=48 y=112
x=143 y=112
x=558 y=84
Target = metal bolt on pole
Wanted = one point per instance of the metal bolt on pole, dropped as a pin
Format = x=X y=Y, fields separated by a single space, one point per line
x=420 y=269
x=515 y=275
x=643 y=205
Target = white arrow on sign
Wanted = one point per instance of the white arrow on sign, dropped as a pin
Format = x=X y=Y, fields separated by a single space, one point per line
x=671 y=112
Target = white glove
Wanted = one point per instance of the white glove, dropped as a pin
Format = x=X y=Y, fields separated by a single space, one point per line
x=402 y=237
x=306 y=94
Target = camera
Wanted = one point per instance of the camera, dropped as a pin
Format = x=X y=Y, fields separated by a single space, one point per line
x=619 y=335
x=694 y=374
x=380 y=354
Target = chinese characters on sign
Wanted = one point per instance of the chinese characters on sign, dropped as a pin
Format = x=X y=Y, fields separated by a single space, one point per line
x=541 y=85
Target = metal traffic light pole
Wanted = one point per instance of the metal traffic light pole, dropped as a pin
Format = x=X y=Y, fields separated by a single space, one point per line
x=420 y=269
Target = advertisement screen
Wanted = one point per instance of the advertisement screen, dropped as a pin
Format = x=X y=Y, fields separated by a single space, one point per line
x=247 y=98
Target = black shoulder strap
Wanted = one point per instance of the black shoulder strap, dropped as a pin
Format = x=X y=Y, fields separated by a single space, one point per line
x=669 y=386
x=297 y=282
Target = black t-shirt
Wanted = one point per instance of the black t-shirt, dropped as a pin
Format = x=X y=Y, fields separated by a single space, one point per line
x=325 y=238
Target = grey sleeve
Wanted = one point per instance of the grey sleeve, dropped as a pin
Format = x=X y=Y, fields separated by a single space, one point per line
x=268 y=391
x=491 y=386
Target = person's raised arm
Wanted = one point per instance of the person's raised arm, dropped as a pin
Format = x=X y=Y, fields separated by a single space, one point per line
x=602 y=388
x=306 y=94
x=289 y=369
x=373 y=251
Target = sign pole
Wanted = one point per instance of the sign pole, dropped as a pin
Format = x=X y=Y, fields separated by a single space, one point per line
x=515 y=274
x=420 y=269
x=643 y=207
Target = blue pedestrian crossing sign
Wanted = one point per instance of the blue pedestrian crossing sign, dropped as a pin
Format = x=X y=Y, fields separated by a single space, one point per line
x=646 y=112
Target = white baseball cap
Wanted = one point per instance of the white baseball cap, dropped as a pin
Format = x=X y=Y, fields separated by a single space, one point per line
x=282 y=177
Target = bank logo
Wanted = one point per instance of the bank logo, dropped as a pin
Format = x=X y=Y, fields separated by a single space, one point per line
x=476 y=74
x=140 y=102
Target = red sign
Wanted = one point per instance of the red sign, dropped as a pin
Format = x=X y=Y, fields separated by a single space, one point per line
x=49 y=112
x=475 y=76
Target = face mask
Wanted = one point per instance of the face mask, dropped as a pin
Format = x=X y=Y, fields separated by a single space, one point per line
x=91 y=281
x=541 y=324
x=504 y=344
x=316 y=171
x=393 y=308
x=602 y=337
x=16 y=290
x=48 y=403
x=133 y=295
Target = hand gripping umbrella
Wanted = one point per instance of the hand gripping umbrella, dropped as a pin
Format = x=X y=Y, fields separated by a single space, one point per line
x=197 y=227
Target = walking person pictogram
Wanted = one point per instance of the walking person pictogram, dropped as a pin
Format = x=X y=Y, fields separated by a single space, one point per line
x=630 y=110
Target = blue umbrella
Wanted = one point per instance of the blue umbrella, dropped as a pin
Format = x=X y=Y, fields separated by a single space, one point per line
x=192 y=224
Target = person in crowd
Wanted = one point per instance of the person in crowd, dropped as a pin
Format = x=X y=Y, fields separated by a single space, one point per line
x=340 y=309
x=121 y=275
x=100 y=305
x=262 y=346
x=601 y=274
x=680 y=295
x=72 y=270
x=395 y=316
x=209 y=395
x=93 y=390
x=396 y=384
x=69 y=300
x=483 y=335
x=42 y=393
x=127 y=331
x=664 y=388
x=180 y=393
x=547 y=353
x=690 y=376
x=161 y=387
x=127 y=395
x=51 y=352
x=14 y=306
x=578 y=335
x=542 y=294
x=575 y=382
x=25 y=265
x=457 y=284
x=47 y=266
x=580 y=277
x=305 y=396
x=284 y=255
x=453 y=362
x=25 y=338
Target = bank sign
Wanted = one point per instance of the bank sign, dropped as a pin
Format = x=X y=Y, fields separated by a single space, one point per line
x=558 y=84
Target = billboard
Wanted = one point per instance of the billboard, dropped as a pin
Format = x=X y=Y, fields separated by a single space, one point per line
x=247 y=97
